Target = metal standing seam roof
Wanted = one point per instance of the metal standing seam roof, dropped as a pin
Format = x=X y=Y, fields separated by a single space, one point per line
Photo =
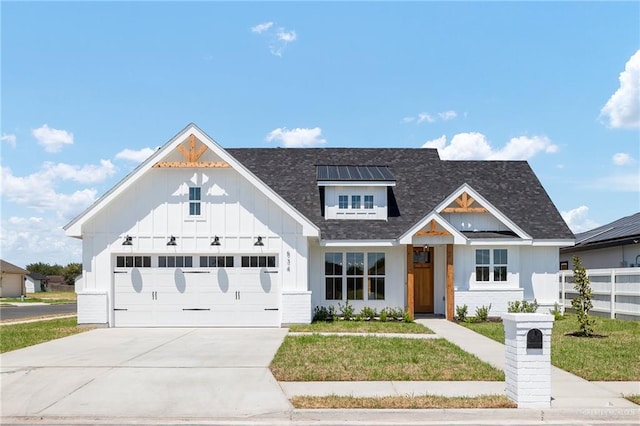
x=353 y=173
x=622 y=228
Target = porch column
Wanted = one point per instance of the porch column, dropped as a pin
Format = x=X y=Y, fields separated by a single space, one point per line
x=450 y=301
x=410 y=280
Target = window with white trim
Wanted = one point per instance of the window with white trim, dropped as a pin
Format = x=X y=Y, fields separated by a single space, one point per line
x=343 y=201
x=368 y=202
x=355 y=202
x=360 y=268
x=133 y=261
x=194 y=200
x=491 y=265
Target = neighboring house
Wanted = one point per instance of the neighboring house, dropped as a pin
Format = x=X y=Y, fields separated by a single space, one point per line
x=11 y=280
x=614 y=245
x=35 y=282
x=202 y=236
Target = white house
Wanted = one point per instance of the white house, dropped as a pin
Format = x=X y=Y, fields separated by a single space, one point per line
x=614 y=245
x=35 y=282
x=199 y=235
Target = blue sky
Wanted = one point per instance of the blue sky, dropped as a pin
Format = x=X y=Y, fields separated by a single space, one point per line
x=89 y=89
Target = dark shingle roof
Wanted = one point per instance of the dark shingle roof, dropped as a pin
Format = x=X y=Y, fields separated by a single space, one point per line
x=619 y=232
x=422 y=182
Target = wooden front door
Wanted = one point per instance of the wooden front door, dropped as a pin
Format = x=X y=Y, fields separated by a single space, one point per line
x=423 y=280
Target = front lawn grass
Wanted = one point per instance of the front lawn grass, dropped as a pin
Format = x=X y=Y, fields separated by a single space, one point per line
x=367 y=358
x=615 y=357
x=402 y=402
x=633 y=398
x=18 y=336
x=362 y=327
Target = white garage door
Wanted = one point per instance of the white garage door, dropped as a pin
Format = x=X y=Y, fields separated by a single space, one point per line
x=164 y=297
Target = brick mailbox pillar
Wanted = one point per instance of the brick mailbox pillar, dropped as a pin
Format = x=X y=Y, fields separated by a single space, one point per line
x=527 y=344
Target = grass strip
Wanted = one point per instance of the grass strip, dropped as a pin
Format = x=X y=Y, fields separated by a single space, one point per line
x=615 y=357
x=367 y=358
x=362 y=327
x=633 y=398
x=402 y=402
x=18 y=336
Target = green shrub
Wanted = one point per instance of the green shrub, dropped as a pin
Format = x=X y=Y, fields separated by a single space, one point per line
x=383 y=315
x=321 y=313
x=524 y=306
x=406 y=316
x=346 y=311
x=556 y=312
x=482 y=312
x=461 y=312
x=368 y=313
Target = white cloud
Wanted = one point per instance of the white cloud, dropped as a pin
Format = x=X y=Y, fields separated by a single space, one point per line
x=623 y=107
x=298 y=137
x=52 y=139
x=286 y=36
x=447 y=115
x=578 y=221
x=424 y=116
x=622 y=159
x=619 y=182
x=27 y=240
x=9 y=139
x=38 y=190
x=431 y=118
x=135 y=156
x=262 y=27
x=278 y=38
x=475 y=146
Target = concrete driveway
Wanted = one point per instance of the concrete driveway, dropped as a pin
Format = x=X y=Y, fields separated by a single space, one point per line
x=145 y=373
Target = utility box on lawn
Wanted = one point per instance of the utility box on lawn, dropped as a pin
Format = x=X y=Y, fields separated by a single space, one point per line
x=527 y=341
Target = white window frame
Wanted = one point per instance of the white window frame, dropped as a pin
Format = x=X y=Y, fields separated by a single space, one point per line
x=195 y=202
x=491 y=266
x=345 y=276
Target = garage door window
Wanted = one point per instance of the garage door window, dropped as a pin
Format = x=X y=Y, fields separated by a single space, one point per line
x=175 y=261
x=133 y=261
x=258 y=261
x=216 y=261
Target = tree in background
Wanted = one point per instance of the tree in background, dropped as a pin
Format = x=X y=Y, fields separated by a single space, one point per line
x=71 y=272
x=45 y=268
x=582 y=303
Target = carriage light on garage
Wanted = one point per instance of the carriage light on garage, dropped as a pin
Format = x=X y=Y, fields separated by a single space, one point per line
x=258 y=242
x=216 y=241
x=127 y=241
x=172 y=241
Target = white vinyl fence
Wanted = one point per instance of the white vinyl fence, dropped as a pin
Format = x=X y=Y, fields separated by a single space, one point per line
x=615 y=292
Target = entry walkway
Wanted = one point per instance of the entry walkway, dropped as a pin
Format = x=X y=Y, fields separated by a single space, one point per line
x=567 y=390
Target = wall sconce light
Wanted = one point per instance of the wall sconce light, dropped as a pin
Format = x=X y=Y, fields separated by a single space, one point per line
x=172 y=241
x=258 y=242
x=127 y=241
x=216 y=241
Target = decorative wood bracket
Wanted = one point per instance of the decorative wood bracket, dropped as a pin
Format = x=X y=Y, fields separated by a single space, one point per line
x=192 y=156
x=464 y=202
x=432 y=232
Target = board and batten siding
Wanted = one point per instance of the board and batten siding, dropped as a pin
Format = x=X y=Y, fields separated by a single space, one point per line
x=532 y=273
x=395 y=277
x=157 y=207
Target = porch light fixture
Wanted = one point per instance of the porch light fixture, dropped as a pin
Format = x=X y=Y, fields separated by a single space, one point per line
x=172 y=241
x=216 y=241
x=127 y=241
x=258 y=242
